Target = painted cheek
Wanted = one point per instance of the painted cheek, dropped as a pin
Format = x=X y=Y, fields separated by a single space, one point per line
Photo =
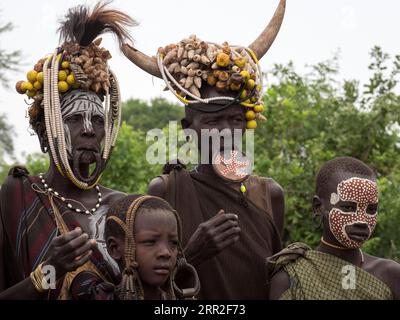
x=337 y=224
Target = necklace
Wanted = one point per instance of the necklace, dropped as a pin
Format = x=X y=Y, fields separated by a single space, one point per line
x=341 y=248
x=65 y=200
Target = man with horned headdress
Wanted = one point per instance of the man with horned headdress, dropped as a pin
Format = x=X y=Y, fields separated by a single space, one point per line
x=231 y=220
x=52 y=225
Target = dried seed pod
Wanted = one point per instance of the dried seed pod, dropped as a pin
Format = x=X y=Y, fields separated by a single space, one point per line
x=204 y=60
x=177 y=69
x=189 y=46
x=172 y=66
x=85 y=52
x=98 y=60
x=189 y=82
x=18 y=87
x=196 y=58
x=89 y=70
x=214 y=66
x=260 y=117
x=235 y=69
x=182 y=81
x=198 y=51
x=237 y=78
x=204 y=76
x=185 y=62
x=88 y=63
x=193 y=90
x=184 y=70
x=170 y=56
x=83 y=58
x=180 y=51
x=199 y=72
x=197 y=81
x=193 y=65
x=216 y=73
x=78 y=60
x=161 y=51
x=185 y=54
x=190 y=54
x=191 y=73
x=97 y=42
x=211 y=52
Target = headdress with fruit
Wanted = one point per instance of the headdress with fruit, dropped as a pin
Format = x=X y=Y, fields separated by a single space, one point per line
x=192 y=63
x=79 y=63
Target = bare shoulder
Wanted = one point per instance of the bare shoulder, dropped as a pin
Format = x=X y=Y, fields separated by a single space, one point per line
x=388 y=271
x=278 y=284
x=157 y=187
x=276 y=189
x=110 y=196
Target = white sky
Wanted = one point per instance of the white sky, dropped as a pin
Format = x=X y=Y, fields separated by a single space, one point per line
x=313 y=30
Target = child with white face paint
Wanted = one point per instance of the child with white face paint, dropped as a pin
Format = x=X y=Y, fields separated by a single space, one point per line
x=346 y=206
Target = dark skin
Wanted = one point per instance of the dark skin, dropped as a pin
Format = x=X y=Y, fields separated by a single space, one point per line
x=156 y=239
x=222 y=230
x=73 y=249
x=385 y=270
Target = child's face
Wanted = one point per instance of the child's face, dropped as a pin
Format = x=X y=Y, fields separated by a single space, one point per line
x=352 y=209
x=156 y=235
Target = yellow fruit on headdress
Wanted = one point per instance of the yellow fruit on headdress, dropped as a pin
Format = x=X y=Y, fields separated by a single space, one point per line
x=65 y=65
x=63 y=86
x=18 y=87
x=211 y=80
x=26 y=85
x=245 y=74
x=31 y=93
x=71 y=79
x=37 y=85
x=252 y=124
x=223 y=60
x=250 y=115
x=258 y=88
x=243 y=94
x=250 y=84
x=253 y=99
x=258 y=108
x=235 y=86
x=39 y=77
x=240 y=62
x=62 y=75
x=31 y=75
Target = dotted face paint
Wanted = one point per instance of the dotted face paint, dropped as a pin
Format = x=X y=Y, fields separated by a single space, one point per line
x=363 y=192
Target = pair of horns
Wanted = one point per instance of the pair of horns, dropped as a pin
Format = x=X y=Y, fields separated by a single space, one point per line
x=260 y=46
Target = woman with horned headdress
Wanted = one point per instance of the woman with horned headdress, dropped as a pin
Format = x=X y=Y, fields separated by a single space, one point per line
x=231 y=220
x=52 y=225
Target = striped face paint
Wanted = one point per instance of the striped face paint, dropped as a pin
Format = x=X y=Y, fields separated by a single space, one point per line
x=84 y=103
x=363 y=192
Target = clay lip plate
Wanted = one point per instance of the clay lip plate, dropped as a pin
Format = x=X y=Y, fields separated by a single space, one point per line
x=236 y=167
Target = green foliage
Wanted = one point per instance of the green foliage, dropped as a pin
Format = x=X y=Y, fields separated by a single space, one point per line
x=9 y=61
x=312 y=119
x=145 y=116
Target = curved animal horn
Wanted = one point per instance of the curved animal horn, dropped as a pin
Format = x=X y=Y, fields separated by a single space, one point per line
x=261 y=45
x=144 y=62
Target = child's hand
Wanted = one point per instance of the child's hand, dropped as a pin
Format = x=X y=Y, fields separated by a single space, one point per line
x=212 y=236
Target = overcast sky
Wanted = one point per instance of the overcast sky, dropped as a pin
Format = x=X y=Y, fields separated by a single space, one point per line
x=312 y=31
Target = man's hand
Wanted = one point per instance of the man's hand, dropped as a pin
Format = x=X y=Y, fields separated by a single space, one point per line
x=70 y=251
x=212 y=236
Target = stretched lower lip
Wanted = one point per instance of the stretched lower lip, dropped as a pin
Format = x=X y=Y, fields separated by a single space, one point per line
x=358 y=238
x=162 y=272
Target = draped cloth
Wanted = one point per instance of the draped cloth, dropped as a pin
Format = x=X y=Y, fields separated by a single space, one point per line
x=316 y=275
x=238 y=272
x=29 y=225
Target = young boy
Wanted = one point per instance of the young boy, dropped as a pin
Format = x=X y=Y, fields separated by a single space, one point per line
x=346 y=203
x=143 y=237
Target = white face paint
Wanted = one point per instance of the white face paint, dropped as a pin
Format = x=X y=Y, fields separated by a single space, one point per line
x=87 y=104
x=363 y=192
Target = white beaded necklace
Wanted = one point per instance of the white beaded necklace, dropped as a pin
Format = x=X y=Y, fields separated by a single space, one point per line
x=65 y=200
